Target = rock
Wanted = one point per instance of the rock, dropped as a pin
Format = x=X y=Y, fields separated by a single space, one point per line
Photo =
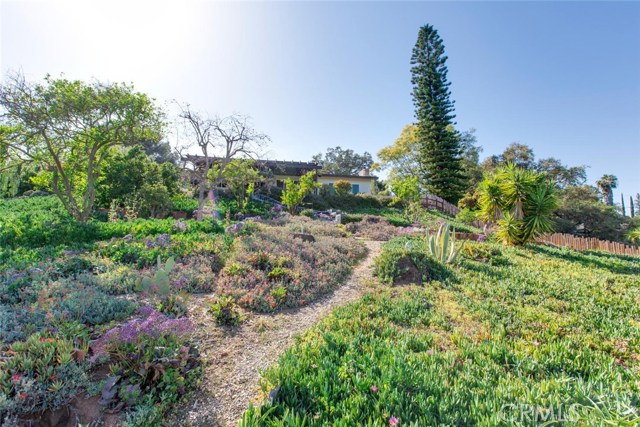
x=273 y=395
x=411 y=273
x=304 y=237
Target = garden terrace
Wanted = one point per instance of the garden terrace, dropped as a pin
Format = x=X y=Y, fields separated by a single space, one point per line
x=86 y=309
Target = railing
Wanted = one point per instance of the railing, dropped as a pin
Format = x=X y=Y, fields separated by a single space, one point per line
x=588 y=244
x=264 y=199
x=431 y=201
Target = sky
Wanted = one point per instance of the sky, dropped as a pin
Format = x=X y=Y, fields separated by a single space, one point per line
x=561 y=77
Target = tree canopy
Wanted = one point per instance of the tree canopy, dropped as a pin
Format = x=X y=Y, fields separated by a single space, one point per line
x=338 y=160
x=401 y=158
x=68 y=128
x=523 y=157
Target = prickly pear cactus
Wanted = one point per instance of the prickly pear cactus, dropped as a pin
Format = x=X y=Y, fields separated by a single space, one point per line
x=160 y=282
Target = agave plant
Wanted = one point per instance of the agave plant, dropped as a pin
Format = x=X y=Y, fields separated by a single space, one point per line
x=442 y=245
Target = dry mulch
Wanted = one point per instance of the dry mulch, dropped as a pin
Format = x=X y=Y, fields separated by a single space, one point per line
x=233 y=358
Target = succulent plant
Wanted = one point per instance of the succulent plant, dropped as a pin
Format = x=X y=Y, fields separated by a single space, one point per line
x=159 y=283
x=442 y=245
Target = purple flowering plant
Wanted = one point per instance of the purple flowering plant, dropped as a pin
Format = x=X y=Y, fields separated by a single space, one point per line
x=146 y=333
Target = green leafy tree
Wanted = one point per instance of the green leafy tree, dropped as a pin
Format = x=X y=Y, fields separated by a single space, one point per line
x=563 y=176
x=522 y=156
x=127 y=172
x=155 y=198
x=440 y=152
x=406 y=190
x=606 y=184
x=294 y=192
x=14 y=181
x=519 y=201
x=471 y=158
x=401 y=157
x=68 y=128
x=343 y=161
x=581 y=211
x=342 y=188
x=240 y=177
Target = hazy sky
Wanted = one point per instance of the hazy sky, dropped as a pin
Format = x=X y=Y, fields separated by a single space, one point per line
x=563 y=78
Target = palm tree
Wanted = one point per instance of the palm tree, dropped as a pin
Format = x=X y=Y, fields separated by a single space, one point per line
x=606 y=184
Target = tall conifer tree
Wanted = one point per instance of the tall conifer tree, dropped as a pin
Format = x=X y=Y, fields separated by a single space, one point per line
x=440 y=151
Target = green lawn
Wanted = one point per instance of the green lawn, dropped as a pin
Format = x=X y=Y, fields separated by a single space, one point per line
x=524 y=337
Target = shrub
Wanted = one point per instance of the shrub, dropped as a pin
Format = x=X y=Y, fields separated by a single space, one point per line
x=225 y=311
x=374 y=228
x=295 y=192
x=83 y=301
x=402 y=255
x=307 y=212
x=150 y=361
x=270 y=269
x=342 y=188
x=17 y=323
x=184 y=203
x=466 y=216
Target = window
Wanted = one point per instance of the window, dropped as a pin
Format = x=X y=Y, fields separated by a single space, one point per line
x=355 y=188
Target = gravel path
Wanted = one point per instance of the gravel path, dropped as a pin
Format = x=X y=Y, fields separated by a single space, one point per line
x=234 y=358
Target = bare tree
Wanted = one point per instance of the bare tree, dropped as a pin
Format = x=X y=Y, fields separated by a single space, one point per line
x=199 y=131
x=237 y=138
x=219 y=140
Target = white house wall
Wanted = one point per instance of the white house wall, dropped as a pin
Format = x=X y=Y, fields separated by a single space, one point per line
x=366 y=184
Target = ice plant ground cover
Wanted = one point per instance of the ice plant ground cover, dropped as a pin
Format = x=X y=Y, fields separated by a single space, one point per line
x=509 y=336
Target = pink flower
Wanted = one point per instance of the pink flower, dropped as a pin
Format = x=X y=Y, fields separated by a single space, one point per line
x=393 y=421
x=536 y=343
x=374 y=388
x=430 y=352
x=314 y=366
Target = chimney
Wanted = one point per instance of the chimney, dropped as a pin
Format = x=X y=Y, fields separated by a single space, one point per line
x=364 y=172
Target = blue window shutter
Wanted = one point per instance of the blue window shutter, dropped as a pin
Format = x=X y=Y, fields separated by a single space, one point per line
x=355 y=188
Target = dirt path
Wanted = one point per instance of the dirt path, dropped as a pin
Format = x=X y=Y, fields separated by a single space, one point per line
x=233 y=359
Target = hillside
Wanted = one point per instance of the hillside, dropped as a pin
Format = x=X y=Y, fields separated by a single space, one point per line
x=510 y=337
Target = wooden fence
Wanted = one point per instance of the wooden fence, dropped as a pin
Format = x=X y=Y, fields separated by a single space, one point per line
x=588 y=244
x=431 y=201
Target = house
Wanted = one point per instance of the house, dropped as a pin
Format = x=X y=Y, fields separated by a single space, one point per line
x=278 y=171
x=363 y=183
